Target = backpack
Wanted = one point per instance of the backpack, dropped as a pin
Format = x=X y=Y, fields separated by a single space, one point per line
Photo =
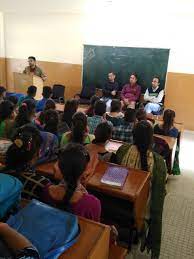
x=50 y=230
x=10 y=193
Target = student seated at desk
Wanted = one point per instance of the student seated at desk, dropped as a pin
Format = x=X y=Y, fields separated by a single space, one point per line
x=26 y=114
x=93 y=100
x=20 y=157
x=139 y=155
x=79 y=133
x=46 y=94
x=102 y=134
x=141 y=115
x=6 y=119
x=51 y=121
x=123 y=132
x=2 y=93
x=167 y=128
x=15 y=245
x=70 y=109
x=31 y=93
x=99 y=116
x=13 y=99
x=115 y=115
x=70 y=194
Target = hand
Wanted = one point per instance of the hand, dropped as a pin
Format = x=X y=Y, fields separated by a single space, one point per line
x=126 y=101
x=113 y=93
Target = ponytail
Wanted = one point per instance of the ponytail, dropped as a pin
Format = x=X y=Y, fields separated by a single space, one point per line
x=73 y=160
x=79 y=125
x=168 y=118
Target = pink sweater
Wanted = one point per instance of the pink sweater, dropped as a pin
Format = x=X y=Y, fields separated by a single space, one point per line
x=132 y=93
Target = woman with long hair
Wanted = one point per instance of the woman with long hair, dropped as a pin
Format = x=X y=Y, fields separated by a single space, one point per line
x=140 y=155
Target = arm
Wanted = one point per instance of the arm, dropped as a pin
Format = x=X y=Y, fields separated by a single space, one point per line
x=123 y=92
x=159 y=98
x=25 y=72
x=147 y=98
x=105 y=91
x=136 y=96
x=43 y=76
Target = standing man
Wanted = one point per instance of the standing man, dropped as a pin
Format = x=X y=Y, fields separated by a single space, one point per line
x=153 y=96
x=33 y=69
x=110 y=90
x=131 y=92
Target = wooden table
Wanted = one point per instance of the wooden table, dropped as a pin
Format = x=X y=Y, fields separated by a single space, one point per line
x=135 y=190
x=93 y=242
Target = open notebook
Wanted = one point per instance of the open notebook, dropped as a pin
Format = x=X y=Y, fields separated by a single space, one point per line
x=115 y=176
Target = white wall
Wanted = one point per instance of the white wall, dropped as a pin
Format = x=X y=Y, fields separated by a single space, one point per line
x=60 y=37
x=2 y=45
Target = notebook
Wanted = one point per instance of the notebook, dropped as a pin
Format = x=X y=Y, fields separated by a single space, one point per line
x=115 y=176
x=113 y=146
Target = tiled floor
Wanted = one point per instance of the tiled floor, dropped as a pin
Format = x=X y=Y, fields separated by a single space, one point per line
x=178 y=215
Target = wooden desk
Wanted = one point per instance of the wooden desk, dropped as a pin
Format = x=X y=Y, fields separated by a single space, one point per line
x=93 y=242
x=46 y=169
x=135 y=190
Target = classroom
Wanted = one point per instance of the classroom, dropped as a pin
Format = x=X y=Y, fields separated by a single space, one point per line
x=96 y=129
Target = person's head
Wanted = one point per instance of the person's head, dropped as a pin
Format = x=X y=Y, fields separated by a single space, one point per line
x=115 y=106
x=102 y=133
x=6 y=110
x=77 y=97
x=2 y=92
x=99 y=108
x=155 y=81
x=133 y=79
x=32 y=61
x=141 y=115
x=50 y=104
x=111 y=76
x=26 y=113
x=94 y=99
x=72 y=162
x=32 y=91
x=168 y=118
x=51 y=121
x=13 y=99
x=25 y=148
x=47 y=92
x=143 y=139
x=129 y=115
x=71 y=106
x=79 y=127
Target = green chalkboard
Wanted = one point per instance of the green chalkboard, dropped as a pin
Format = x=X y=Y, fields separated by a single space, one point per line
x=99 y=60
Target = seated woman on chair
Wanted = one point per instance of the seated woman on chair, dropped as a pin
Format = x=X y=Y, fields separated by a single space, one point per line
x=131 y=92
x=139 y=155
x=6 y=119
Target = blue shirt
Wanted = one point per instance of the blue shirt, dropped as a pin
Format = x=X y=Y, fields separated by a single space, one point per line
x=41 y=104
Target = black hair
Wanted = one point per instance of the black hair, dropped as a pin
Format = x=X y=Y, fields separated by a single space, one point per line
x=6 y=110
x=2 y=90
x=47 y=92
x=26 y=144
x=79 y=125
x=50 y=104
x=32 y=90
x=99 y=108
x=143 y=139
x=51 y=121
x=111 y=72
x=26 y=110
x=32 y=57
x=134 y=74
x=129 y=115
x=141 y=114
x=70 y=109
x=168 y=118
x=103 y=132
x=157 y=78
x=115 y=105
x=93 y=100
x=13 y=99
x=73 y=160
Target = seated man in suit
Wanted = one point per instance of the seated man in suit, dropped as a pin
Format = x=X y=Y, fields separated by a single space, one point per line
x=110 y=90
x=33 y=69
x=153 y=96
